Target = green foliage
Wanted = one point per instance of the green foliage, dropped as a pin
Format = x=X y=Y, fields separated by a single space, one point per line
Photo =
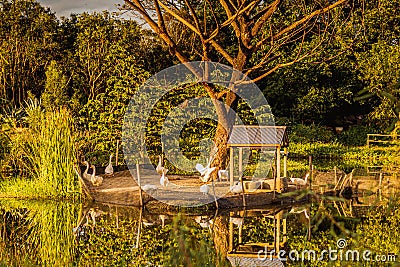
x=53 y=154
x=102 y=42
x=28 y=34
x=326 y=156
x=376 y=53
x=102 y=118
x=106 y=72
x=319 y=102
x=382 y=240
x=374 y=231
x=54 y=95
x=315 y=93
x=355 y=135
x=309 y=134
x=380 y=70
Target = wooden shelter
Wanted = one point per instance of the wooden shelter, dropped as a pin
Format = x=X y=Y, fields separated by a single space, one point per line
x=257 y=253
x=253 y=137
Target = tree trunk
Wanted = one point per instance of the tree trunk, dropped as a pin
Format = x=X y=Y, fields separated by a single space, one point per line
x=226 y=121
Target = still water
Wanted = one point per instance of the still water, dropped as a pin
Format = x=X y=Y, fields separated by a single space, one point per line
x=318 y=233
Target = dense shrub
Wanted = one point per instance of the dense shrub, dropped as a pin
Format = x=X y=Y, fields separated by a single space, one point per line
x=313 y=133
x=355 y=136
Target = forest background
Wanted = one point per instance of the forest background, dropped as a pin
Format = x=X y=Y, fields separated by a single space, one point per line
x=91 y=65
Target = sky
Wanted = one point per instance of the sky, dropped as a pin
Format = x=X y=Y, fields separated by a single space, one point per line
x=66 y=7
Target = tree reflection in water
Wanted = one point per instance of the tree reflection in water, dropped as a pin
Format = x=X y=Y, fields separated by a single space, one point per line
x=65 y=234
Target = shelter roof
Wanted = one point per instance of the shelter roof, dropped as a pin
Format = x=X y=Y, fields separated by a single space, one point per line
x=258 y=136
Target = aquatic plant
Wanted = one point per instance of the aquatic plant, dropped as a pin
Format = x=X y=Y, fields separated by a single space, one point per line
x=46 y=152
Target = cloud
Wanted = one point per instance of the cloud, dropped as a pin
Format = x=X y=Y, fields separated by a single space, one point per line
x=66 y=7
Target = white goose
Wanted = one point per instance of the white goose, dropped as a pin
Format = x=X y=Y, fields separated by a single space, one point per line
x=236 y=221
x=237 y=188
x=109 y=171
x=205 y=172
x=147 y=223
x=299 y=181
x=96 y=180
x=149 y=188
x=204 y=222
x=223 y=174
x=86 y=176
x=160 y=168
x=164 y=179
x=163 y=218
x=298 y=211
x=205 y=188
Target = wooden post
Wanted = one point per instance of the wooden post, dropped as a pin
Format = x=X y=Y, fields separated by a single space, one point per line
x=309 y=227
x=285 y=157
x=116 y=154
x=273 y=176
x=311 y=170
x=278 y=230
x=278 y=169
x=162 y=152
x=230 y=245
x=139 y=228
x=335 y=170
x=116 y=217
x=241 y=174
x=231 y=166
x=240 y=162
x=240 y=234
x=243 y=194
x=140 y=188
x=284 y=230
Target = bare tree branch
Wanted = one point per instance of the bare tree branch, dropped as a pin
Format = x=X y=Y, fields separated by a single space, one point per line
x=161 y=31
x=263 y=16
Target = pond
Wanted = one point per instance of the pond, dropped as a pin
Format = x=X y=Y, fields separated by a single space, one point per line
x=324 y=232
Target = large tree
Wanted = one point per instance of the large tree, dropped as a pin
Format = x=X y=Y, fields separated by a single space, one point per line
x=253 y=37
x=378 y=61
x=27 y=45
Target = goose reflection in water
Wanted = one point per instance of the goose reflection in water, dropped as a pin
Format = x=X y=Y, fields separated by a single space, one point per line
x=91 y=214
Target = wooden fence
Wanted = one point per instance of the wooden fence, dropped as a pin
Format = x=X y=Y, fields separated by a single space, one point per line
x=381 y=139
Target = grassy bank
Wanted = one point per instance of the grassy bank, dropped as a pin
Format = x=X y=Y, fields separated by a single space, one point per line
x=358 y=156
x=45 y=151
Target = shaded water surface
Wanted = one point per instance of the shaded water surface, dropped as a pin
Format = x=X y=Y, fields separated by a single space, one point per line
x=69 y=234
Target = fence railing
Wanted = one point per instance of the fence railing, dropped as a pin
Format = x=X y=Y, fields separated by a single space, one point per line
x=381 y=139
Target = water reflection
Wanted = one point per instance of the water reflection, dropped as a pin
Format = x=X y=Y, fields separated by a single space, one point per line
x=64 y=234
x=37 y=233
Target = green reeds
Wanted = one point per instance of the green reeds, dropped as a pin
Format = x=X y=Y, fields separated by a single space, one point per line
x=54 y=154
x=49 y=154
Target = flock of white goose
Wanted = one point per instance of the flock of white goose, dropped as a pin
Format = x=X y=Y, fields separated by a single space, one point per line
x=93 y=178
x=205 y=176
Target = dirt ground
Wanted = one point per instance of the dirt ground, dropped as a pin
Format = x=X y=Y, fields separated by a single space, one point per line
x=122 y=189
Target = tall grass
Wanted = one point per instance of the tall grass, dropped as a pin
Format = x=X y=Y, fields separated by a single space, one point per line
x=49 y=154
x=54 y=153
